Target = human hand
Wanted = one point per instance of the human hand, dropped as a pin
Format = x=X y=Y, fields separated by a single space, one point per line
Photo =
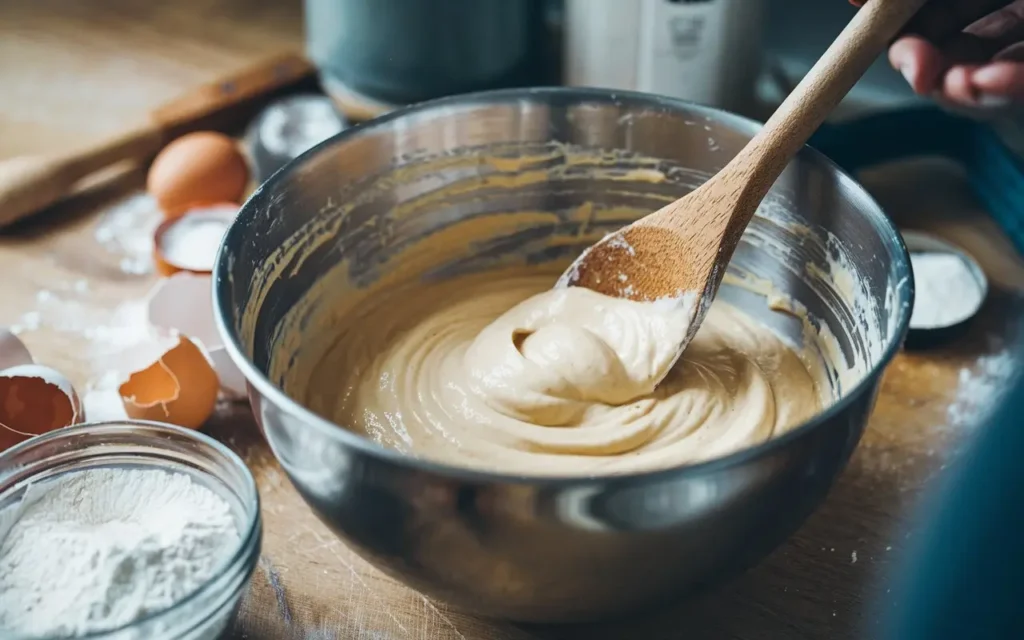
x=969 y=52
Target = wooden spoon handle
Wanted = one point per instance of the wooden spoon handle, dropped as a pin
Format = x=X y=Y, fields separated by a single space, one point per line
x=867 y=35
x=31 y=183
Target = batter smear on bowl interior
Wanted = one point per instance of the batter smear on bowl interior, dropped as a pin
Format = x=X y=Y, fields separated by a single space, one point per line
x=498 y=371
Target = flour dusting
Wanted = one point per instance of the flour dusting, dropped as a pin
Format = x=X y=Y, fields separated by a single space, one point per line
x=980 y=388
x=126 y=230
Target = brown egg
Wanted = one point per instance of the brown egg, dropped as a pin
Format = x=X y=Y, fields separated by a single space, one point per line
x=35 y=400
x=196 y=169
x=180 y=388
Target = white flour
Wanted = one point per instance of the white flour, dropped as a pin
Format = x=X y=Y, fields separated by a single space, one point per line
x=126 y=230
x=100 y=548
x=193 y=242
x=946 y=292
x=981 y=388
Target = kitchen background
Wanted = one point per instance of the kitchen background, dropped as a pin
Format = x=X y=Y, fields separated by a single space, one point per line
x=83 y=44
x=120 y=40
x=75 y=71
x=706 y=51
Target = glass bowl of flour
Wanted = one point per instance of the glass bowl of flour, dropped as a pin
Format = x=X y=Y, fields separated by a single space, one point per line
x=124 y=531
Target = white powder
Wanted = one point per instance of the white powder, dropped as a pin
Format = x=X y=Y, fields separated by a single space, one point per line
x=981 y=388
x=193 y=242
x=946 y=290
x=294 y=125
x=98 y=549
x=126 y=230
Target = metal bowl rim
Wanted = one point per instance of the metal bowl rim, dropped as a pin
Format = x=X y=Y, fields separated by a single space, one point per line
x=271 y=393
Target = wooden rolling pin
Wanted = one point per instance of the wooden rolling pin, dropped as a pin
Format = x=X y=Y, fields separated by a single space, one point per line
x=31 y=183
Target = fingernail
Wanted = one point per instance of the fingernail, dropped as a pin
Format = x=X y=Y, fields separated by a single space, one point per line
x=895 y=59
x=909 y=71
x=993 y=102
x=988 y=75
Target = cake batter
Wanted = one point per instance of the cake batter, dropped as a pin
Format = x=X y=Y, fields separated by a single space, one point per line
x=498 y=371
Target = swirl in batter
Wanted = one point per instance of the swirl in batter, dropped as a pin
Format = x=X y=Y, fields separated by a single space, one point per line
x=500 y=372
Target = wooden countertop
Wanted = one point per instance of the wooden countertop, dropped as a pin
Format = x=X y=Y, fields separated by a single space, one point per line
x=74 y=70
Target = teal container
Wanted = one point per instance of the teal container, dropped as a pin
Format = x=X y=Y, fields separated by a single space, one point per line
x=403 y=51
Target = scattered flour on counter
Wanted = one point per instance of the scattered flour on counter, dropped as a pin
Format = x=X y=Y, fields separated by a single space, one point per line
x=946 y=291
x=100 y=548
x=105 y=345
x=126 y=230
x=981 y=387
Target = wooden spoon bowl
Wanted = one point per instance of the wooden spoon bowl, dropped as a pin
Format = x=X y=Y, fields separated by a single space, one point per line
x=681 y=251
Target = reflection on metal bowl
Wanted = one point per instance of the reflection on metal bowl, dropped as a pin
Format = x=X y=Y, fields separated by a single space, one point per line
x=551 y=548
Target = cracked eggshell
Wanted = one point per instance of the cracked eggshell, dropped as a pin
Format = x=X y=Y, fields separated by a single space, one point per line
x=34 y=400
x=190 y=243
x=13 y=351
x=184 y=303
x=179 y=388
x=232 y=382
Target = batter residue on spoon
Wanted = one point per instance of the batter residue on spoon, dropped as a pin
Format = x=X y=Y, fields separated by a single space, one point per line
x=498 y=371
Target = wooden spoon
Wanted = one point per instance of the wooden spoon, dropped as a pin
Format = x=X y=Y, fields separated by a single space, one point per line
x=681 y=251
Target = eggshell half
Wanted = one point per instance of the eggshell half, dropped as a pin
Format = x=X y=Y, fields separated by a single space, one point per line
x=184 y=303
x=232 y=382
x=191 y=242
x=35 y=400
x=13 y=351
x=179 y=388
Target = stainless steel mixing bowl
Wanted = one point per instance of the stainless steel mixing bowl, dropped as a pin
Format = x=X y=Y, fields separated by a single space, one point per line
x=550 y=549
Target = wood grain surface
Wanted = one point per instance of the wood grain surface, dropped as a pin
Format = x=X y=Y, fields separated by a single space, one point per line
x=75 y=70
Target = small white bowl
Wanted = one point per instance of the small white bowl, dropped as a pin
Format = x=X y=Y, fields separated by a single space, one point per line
x=926 y=337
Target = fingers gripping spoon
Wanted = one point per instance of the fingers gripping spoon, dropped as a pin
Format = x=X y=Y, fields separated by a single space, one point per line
x=679 y=253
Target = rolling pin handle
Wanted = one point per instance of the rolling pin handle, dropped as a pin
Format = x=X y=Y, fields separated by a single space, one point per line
x=31 y=183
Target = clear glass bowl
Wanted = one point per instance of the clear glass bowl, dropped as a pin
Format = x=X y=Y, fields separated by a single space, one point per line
x=207 y=612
